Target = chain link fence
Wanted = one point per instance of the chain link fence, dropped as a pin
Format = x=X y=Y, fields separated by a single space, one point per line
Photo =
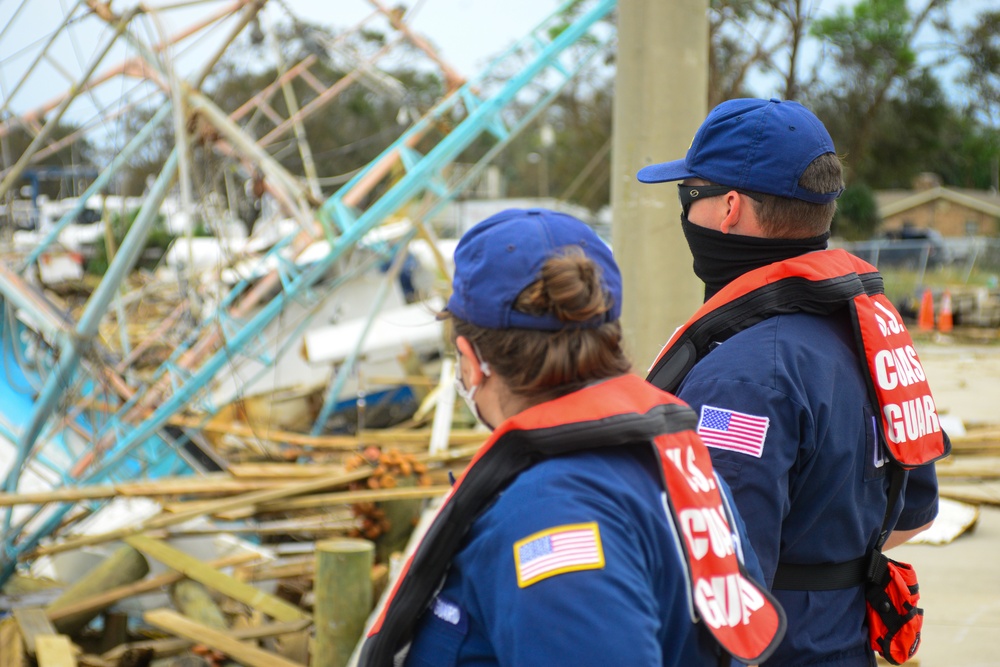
x=967 y=269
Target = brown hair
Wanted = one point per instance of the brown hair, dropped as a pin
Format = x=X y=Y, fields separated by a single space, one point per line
x=785 y=218
x=541 y=365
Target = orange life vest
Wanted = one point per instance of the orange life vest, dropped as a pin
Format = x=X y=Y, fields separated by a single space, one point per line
x=824 y=282
x=741 y=615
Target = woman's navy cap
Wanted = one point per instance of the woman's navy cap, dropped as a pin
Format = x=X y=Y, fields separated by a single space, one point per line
x=500 y=256
x=756 y=145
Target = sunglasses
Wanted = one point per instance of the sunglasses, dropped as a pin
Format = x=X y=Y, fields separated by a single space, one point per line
x=689 y=194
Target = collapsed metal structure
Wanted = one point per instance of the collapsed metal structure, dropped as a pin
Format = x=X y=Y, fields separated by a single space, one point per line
x=73 y=409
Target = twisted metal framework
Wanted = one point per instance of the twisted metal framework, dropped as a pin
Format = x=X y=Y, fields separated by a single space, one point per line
x=86 y=418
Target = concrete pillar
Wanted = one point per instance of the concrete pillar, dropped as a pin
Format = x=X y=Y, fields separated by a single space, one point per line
x=661 y=93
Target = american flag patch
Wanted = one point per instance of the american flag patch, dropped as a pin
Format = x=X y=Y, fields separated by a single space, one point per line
x=569 y=548
x=735 y=431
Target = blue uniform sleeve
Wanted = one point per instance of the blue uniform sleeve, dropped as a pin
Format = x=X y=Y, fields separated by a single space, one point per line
x=747 y=555
x=920 y=499
x=605 y=615
x=759 y=484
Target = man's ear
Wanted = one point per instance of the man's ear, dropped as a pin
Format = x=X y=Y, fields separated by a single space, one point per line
x=466 y=349
x=741 y=217
x=734 y=204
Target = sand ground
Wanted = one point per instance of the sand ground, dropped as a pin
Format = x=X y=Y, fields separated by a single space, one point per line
x=960 y=581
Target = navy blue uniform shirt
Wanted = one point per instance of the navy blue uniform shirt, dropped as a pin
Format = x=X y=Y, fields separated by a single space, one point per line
x=812 y=488
x=632 y=610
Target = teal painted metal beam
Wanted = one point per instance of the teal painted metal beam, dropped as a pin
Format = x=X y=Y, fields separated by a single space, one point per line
x=74 y=346
x=485 y=117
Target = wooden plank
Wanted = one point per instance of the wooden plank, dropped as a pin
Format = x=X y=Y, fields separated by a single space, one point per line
x=33 y=624
x=54 y=651
x=164 y=647
x=213 y=578
x=285 y=471
x=970 y=467
x=109 y=597
x=419 y=437
x=976 y=492
x=232 y=502
x=322 y=500
x=215 y=484
x=11 y=644
x=244 y=653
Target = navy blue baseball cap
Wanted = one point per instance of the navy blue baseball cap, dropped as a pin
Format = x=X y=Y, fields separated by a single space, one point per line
x=755 y=145
x=500 y=256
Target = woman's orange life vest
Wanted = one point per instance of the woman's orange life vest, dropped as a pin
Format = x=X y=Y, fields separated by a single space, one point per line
x=740 y=614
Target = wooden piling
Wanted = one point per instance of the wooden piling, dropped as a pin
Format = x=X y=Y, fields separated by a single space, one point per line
x=343 y=591
x=194 y=601
x=124 y=566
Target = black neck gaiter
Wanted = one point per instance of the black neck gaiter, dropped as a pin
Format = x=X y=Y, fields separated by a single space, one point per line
x=721 y=258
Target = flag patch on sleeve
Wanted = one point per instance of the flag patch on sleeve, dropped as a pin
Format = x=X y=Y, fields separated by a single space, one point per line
x=558 y=550
x=735 y=431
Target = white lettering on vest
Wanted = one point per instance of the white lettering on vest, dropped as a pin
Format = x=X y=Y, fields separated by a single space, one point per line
x=706 y=528
x=917 y=367
x=885 y=369
x=888 y=325
x=898 y=367
x=912 y=419
x=930 y=414
x=695 y=478
x=907 y=376
x=726 y=601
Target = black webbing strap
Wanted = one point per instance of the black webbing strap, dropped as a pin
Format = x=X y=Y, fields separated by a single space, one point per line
x=824 y=577
x=833 y=576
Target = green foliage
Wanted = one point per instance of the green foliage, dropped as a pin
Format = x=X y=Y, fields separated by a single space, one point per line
x=80 y=153
x=871 y=40
x=857 y=214
x=981 y=51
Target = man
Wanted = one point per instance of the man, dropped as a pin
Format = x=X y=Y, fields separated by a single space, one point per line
x=792 y=365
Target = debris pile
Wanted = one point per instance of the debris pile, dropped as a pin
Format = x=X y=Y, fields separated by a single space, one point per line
x=254 y=603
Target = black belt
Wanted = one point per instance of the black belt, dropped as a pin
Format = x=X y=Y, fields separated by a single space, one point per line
x=825 y=577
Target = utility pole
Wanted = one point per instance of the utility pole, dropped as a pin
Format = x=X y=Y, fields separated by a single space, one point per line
x=661 y=97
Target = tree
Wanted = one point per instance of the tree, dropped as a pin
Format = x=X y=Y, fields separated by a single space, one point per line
x=981 y=51
x=872 y=46
x=857 y=213
x=763 y=37
x=74 y=156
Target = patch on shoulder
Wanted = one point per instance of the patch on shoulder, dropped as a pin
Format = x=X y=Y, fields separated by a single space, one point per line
x=447 y=611
x=568 y=548
x=734 y=431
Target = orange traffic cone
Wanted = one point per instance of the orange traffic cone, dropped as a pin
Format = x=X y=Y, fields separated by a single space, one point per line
x=925 y=318
x=945 y=322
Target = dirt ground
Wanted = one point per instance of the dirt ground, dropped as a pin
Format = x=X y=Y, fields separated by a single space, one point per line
x=964 y=377
x=960 y=581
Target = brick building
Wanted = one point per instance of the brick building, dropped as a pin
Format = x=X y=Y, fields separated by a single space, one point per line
x=953 y=212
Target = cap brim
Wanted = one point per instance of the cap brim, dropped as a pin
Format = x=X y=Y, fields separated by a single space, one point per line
x=665 y=171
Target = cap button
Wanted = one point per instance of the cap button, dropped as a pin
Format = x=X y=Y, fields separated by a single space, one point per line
x=776 y=100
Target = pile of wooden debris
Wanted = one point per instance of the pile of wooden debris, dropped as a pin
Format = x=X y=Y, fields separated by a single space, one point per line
x=257 y=604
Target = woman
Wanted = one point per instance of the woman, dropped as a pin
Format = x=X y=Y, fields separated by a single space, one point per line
x=556 y=546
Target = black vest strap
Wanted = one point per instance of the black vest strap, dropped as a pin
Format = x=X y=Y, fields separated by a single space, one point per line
x=790 y=295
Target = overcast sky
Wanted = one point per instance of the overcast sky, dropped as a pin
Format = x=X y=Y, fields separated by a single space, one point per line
x=467 y=33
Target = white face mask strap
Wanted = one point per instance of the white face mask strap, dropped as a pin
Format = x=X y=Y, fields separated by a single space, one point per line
x=484 y=365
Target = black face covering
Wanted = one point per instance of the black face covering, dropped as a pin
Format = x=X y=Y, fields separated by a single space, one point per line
x=721 y=258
